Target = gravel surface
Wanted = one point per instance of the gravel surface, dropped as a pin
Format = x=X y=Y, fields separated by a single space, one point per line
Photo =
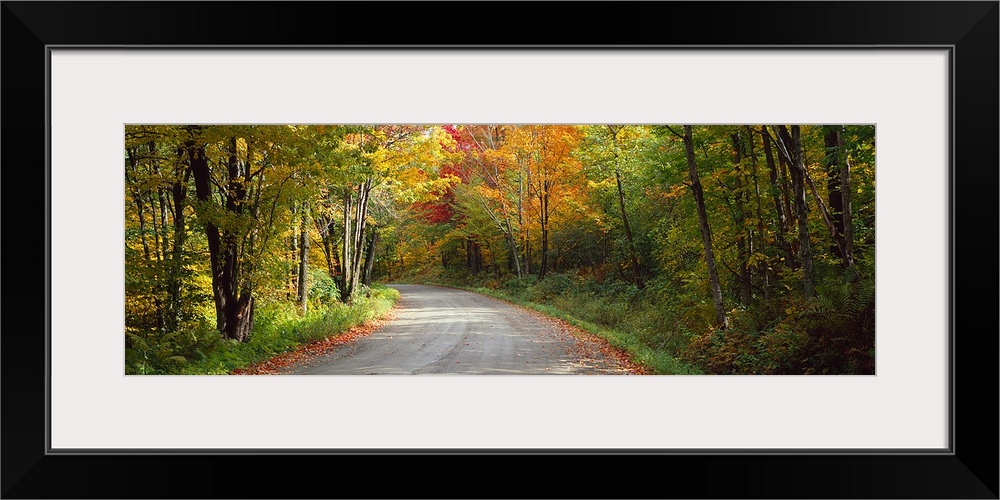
x=440 y=330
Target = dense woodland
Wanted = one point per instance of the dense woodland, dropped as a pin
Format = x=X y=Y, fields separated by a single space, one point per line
x=729 y=249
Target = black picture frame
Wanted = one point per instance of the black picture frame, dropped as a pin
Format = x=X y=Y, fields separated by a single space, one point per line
x=969 y=470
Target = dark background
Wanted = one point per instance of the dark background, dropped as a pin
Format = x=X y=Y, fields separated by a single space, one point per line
x=971 y=472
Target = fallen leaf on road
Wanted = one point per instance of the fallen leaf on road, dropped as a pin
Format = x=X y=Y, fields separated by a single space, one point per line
x=282 y=363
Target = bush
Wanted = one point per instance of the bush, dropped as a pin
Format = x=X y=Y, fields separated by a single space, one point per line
x=151 y=352
x=832 y=333
x=323 y=290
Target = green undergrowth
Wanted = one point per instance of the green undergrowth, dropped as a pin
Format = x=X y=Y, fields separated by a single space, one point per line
x=669 y=327
x=659 y=362
x=278 y=328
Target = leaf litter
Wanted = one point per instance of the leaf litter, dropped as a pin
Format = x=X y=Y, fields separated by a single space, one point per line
x=282 y=363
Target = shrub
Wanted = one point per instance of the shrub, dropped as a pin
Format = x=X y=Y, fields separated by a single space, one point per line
x=323 y=290
x=550 y=287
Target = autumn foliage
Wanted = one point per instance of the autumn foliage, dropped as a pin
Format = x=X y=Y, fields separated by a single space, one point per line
x=614 y=223
x=710 y=249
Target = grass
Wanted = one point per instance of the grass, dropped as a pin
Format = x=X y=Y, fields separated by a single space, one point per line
x=277 y=329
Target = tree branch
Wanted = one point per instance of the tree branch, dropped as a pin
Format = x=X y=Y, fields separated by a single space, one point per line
x=675 y=132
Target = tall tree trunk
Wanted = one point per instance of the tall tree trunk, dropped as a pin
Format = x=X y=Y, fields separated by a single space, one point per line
x=161 y=195
x=522 y=218
x=156 y=227
x=239 y=301
x=239 y=316
x=329 y=247
x=838 y=239
x=203 y=190
x=156 y=210
x=472 y=258
x=332 y=268
x=512 y=244
x=293 y=256
x=845 y=191
x=502 y=221
x=360 y=222
x=786 y=194
x=303 y=288
x=164 y=239
x=742 y=252
x=366 y=278
x=706 y=234
x=776 y=189
x=543 y=267
x=152 y=257
x=527 y=255
x=792 y=147
x=523 y=185
x=142 y=226
x=835 y=200
x=838 y=182
x=179 y=193
x=133 y=159
x=345 y=275
x=763 y=267
x=636 y=274
x=234 y=302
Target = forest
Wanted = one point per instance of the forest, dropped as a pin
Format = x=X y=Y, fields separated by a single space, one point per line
x=696 y=249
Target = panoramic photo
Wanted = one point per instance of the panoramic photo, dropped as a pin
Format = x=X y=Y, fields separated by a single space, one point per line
x=494 y=249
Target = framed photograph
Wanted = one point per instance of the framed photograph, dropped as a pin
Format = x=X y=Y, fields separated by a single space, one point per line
x=923 y=74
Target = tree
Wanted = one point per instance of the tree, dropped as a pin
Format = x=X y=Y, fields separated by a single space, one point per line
x=743 y=242
x=392 y=160
x=610 y=149
x=495 y=164
x=722 y=321
x=156 y=181
x=303 y=273
x=239 y=187
x=776 y=197
x=551 y=168
x=790 y=145
x=224 y=221
x=839 y=193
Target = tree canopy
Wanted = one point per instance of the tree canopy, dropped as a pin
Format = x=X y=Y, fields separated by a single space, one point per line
x=734 y=248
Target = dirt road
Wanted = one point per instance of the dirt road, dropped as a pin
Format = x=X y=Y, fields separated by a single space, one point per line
x=441 y=330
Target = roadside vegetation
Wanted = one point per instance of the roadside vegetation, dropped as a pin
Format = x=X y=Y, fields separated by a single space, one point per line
x=719 y=249
x=715 y=249
x=663 y=339
x=278 y=328
x=604 y=316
